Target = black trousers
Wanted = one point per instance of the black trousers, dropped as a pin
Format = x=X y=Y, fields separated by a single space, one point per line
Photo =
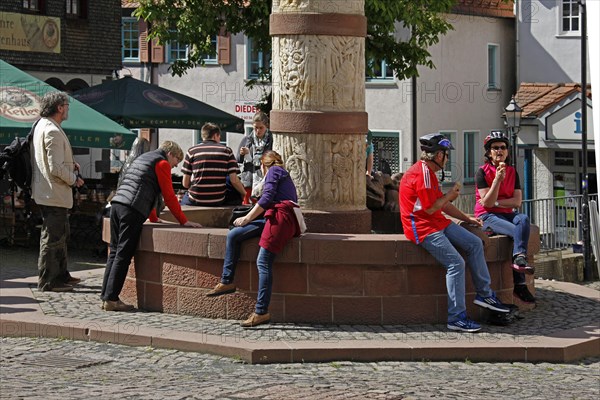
x=125 y=229
x=52 y=261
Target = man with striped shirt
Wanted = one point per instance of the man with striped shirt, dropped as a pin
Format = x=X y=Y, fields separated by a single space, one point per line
x=206 y=168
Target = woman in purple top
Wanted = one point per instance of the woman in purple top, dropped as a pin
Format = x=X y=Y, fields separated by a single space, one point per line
x=275 y=228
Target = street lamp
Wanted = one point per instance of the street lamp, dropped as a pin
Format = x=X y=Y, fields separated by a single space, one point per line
x=512 y=114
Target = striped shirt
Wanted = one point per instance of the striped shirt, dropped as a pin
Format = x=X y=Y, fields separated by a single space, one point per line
x=209 y=163
x=419 y=190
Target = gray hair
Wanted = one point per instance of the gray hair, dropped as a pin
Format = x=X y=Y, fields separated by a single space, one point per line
x=50 y=102
x=426 y=156
x=173 y=148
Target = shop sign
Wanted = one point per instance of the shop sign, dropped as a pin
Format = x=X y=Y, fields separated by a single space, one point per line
x=26 y=32
x=245 y=110
x=566 y=124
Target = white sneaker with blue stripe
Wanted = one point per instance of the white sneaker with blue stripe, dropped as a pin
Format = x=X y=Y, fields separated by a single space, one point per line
x=464 y=324
x=491 y=303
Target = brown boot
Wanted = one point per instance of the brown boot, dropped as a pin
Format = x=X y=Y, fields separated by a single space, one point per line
x=116 y=306
x=256 y=319
x=62 y=288
x=73 y=281
x=221 y=289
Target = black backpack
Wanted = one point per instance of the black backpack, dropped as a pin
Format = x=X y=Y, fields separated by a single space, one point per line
x=15 y=162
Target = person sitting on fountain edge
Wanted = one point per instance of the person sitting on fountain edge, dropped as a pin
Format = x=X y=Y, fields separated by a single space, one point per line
x=498 y=195
x=421 y=205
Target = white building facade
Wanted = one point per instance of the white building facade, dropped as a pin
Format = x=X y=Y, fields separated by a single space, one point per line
x=549 y=56
x=463 y=97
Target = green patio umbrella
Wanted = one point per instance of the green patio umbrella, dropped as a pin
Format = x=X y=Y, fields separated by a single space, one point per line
x=20 y=95
x=137 y=104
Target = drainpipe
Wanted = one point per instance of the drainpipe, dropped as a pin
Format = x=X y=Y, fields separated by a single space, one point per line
x=415 y=140
x=517 y=12
x=527 y=178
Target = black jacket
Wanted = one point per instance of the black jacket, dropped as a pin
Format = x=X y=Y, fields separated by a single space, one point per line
x=139 y=188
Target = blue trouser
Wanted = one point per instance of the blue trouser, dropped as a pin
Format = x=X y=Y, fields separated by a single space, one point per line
x=235 y=237
x=264 y=263
x=514 y=225
x=442 y=246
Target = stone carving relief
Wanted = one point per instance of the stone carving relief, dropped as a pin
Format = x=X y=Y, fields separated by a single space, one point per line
x=319 y=6
x=328 y=170
x=299 y=157
x=324 y=73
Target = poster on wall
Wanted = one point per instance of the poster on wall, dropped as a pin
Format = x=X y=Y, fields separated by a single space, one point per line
x=566 y=207
x=26 y=32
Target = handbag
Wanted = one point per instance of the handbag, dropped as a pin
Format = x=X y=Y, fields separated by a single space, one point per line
x=239 y=212
x=299 y=218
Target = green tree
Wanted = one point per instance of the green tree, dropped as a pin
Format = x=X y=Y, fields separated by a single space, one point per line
x=195 y=21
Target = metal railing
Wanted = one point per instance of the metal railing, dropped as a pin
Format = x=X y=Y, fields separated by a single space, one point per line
x=558 y=219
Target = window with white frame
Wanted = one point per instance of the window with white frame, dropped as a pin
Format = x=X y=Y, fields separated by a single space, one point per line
x=130 y=45
x=211 y=56
x=470 y=163
x=493 y=51
x=379 y=70
x=177 y=51
x=76 y=8
x=259 y=62
x=569 y=18
x=450 y=167
x=33 y=5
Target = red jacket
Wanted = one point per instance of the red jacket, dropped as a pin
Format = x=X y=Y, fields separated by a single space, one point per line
x=280 y=228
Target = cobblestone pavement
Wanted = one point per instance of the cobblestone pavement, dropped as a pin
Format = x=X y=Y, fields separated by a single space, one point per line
x=62 y=369
x=556 y=311
x=55 y=369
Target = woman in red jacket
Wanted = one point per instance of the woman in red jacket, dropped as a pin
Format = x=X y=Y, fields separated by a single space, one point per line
x=498 y=194
x=276 y=228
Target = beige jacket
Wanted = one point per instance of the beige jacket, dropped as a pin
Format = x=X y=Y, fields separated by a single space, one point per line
x=53 y=166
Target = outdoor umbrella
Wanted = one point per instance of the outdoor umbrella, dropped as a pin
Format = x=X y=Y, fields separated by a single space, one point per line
x=137 y=104
x=20 y=95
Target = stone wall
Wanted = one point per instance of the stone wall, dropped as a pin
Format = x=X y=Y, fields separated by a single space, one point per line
x=318 y=278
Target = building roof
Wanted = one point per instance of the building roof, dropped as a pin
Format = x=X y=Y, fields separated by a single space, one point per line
x=485 y=8
x=129 y=4
x=535 y=98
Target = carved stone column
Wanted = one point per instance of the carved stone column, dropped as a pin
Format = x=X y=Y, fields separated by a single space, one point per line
x=318 y=119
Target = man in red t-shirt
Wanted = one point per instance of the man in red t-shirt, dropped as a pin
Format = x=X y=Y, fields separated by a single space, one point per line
x=421 y=205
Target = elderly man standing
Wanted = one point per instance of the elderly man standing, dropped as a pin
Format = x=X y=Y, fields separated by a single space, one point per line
x=55 y=173
x=421 y=206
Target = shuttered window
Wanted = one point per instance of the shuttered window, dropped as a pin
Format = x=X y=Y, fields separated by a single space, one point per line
x=130 y=40
x=224 y=48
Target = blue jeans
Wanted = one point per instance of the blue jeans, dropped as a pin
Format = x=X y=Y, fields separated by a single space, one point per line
x=186 y=201
x=442 y=246
x=235 y=237
x=264 y=263
x=514 y=225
